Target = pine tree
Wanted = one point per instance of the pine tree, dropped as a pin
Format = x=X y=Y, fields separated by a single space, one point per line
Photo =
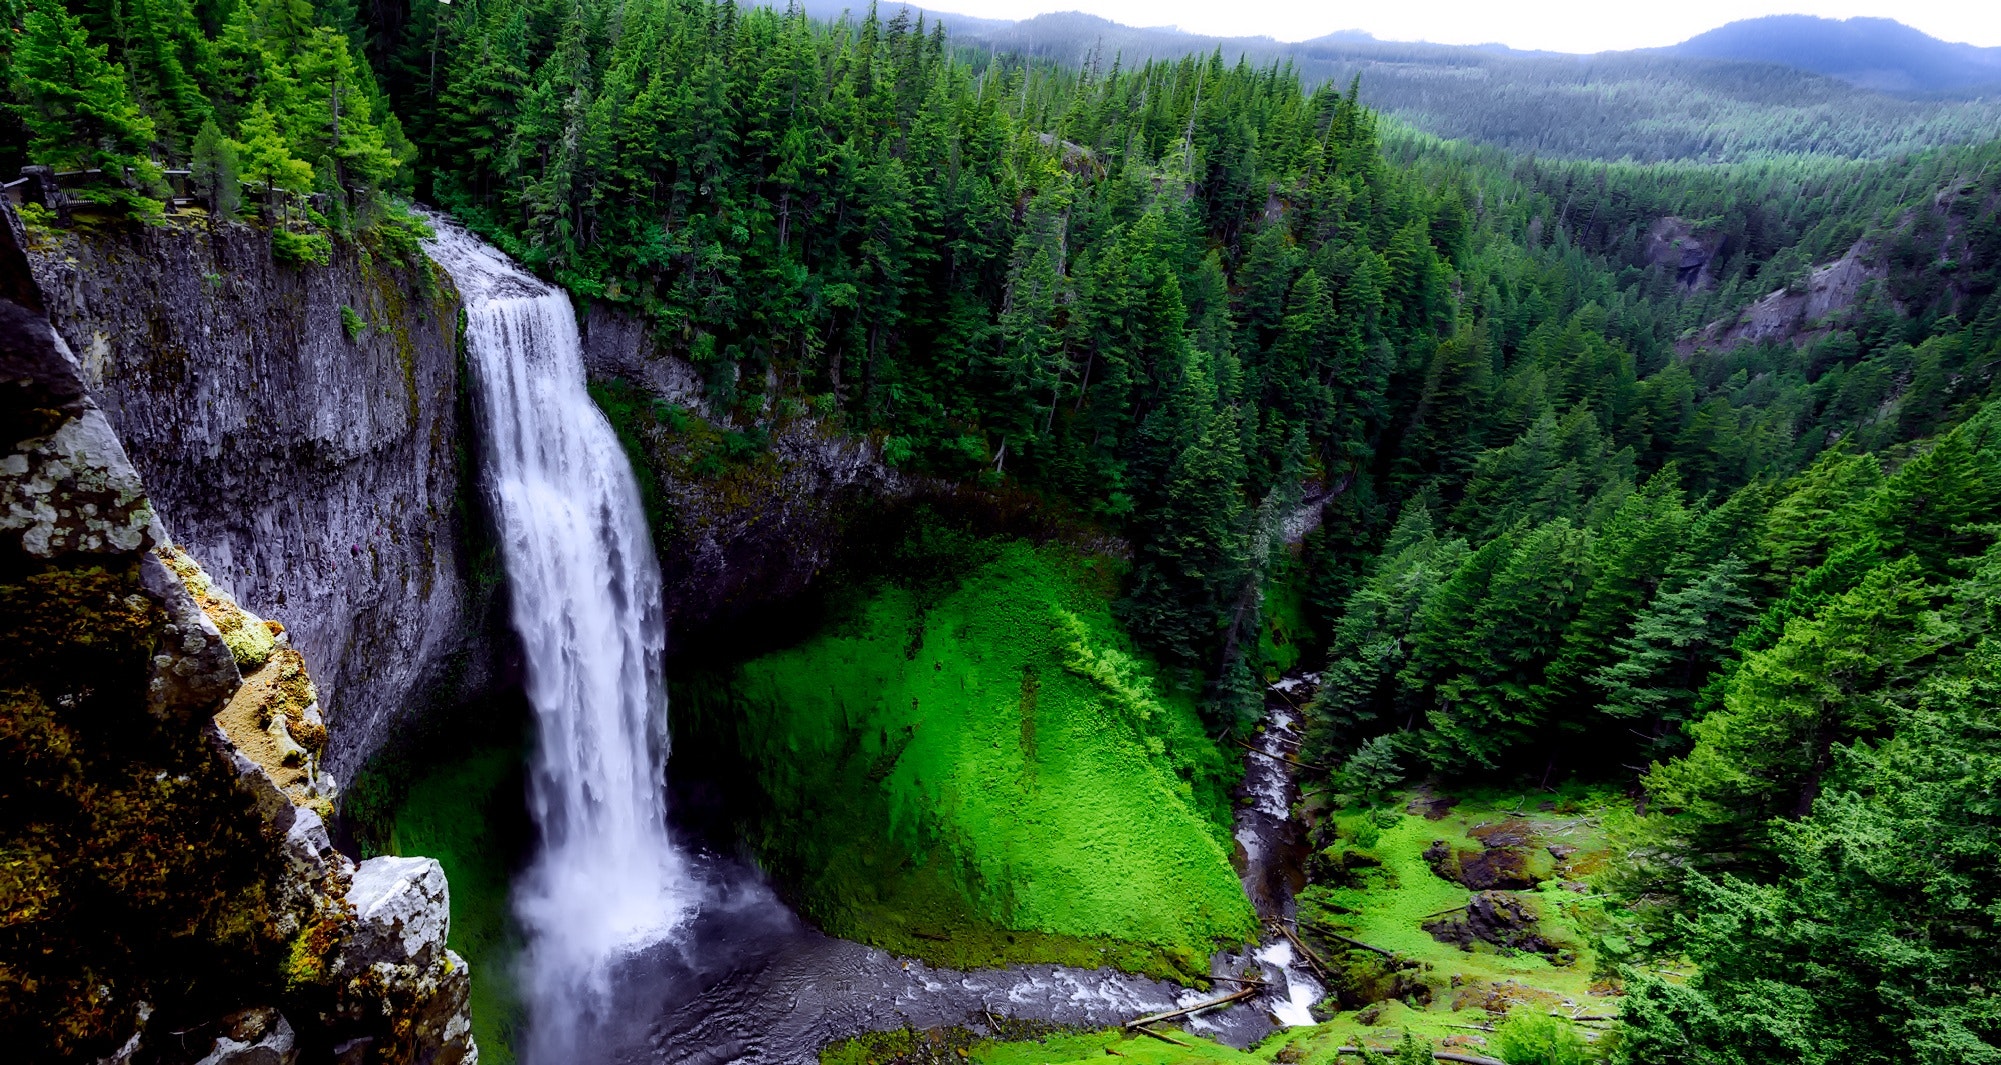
x=215 y=172
x=265 y=156
x=75 y=103
x=1672 y=648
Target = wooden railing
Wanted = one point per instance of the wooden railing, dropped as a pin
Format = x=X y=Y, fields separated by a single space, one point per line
x=56 y=190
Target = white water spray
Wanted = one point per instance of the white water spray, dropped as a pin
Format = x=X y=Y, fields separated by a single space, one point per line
x=587 y=605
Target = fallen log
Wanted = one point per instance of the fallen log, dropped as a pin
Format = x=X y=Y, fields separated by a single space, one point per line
x=1168 y=1015
x=1163 y=1037
x=1322 y=930
x=1312 y=957
x=1441 y=913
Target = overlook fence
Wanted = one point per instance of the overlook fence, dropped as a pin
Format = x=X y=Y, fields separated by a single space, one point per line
x=59 y=190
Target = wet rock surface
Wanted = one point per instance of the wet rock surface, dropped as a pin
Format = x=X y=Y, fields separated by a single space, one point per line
x=747 y=531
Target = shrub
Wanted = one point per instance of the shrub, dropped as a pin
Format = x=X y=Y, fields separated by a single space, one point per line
x=298 y=249
x=352 y=324
x=1529 y=1038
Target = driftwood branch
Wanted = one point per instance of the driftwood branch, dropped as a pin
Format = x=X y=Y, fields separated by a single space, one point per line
x=1312 y=957
x=1163 y=1036
x=1323 y=930
x=1168 y=1015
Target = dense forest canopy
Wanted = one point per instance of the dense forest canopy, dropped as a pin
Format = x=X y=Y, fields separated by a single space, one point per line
x=1566 y=530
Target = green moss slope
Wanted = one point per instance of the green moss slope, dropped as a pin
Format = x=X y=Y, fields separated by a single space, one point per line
x=981 y=772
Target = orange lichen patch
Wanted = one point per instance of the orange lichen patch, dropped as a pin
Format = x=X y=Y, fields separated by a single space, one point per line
x=274 y=720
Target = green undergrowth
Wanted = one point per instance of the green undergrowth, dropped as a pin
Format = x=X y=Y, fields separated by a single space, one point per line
x=1375 y=886
x=450 y=815
x=969 y=764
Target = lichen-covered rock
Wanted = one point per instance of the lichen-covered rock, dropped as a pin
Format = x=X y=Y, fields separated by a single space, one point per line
x=259 y=1036
x=317 y=477
x=402 y=909
x=393 y=968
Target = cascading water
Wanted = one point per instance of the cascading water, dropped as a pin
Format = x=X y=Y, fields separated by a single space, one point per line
x=586 y=602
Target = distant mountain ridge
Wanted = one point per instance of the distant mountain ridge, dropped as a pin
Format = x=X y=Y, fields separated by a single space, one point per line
x=1644 y=106
x=1874 y=53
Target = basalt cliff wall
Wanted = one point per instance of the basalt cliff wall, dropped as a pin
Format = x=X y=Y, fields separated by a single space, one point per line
x=299 y=428
x=743 y=517
x=168 y=891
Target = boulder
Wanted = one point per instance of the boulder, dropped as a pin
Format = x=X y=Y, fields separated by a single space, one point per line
x=393 y=965
x=254 y=1037
x=402 y=909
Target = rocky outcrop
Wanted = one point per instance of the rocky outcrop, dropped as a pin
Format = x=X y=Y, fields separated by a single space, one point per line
x=162 y=897
x=741 y=518
x=299 y=430
x=1505 y=859
x=393 y=969
x=1499 y=918
x=1798 y=313
x=1678 y=246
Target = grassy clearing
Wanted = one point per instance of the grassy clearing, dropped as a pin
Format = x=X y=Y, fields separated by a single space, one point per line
x=975 y=768
x=1388 y=892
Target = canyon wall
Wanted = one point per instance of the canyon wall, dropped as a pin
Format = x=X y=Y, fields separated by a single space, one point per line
x=299 y=429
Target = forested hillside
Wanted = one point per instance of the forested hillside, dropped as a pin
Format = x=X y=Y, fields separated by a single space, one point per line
x=1876 y=53
x=1567 y=532
x=1646 y=106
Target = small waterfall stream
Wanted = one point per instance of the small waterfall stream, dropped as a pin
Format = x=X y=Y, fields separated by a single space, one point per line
x=1274 y=847
x=585 y=590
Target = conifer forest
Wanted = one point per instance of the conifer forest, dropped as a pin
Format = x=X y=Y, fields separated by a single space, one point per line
x=841 y=540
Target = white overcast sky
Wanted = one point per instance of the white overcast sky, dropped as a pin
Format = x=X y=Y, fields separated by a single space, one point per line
x=1558 y=25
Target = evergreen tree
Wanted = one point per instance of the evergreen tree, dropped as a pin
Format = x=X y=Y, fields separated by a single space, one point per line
x=75 y=103
x=215 y=171
x=1672 y=649
x=266 y=159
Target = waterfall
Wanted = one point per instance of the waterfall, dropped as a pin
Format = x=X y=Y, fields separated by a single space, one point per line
x=586 y=600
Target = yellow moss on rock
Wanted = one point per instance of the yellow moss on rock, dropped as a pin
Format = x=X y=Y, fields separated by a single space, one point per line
x=274 y=717
x=250 y=639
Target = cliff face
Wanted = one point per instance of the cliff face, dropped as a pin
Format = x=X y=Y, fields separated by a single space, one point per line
x=298 y=429
x=740 y=519
x=163 y=895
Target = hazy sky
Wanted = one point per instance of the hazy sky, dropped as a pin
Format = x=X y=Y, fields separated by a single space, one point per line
x=1557 y=25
